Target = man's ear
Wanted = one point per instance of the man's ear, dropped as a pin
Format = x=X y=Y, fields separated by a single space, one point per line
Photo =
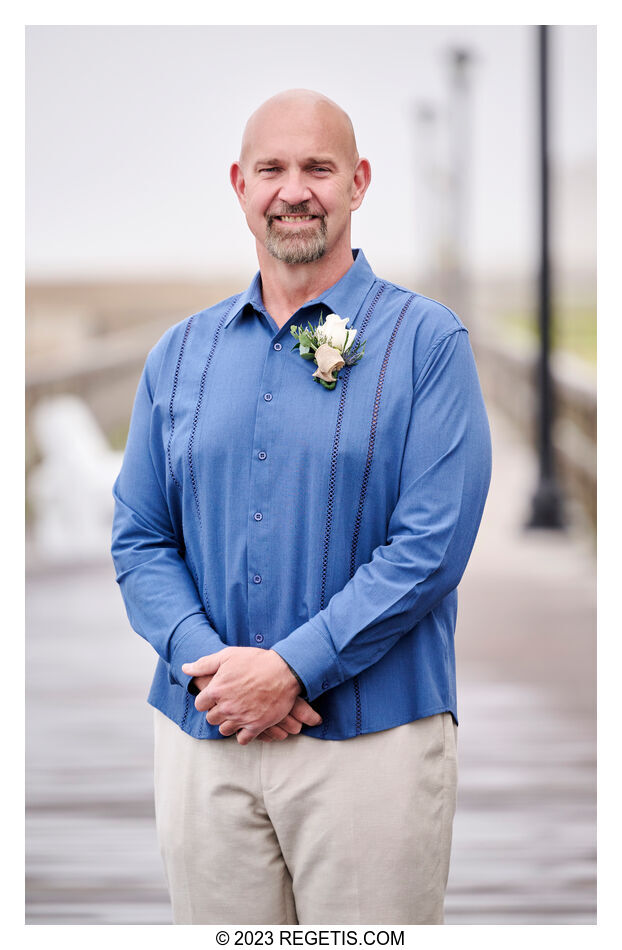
x=236 y=176
x=362 y=178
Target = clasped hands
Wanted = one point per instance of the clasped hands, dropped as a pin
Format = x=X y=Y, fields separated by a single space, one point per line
x=251 y=693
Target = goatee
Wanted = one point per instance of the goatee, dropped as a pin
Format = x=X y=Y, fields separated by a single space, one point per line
x=300 y=247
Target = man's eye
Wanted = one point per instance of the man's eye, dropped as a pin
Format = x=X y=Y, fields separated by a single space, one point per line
x=273 y=168
x=320 y=169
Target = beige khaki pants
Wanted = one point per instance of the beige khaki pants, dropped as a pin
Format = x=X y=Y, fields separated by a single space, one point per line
x=307 y=831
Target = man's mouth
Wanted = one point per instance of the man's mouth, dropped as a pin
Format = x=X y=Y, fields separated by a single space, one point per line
x=294 y=218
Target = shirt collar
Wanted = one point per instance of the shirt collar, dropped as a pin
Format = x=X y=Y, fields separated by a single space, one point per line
x=344 y=298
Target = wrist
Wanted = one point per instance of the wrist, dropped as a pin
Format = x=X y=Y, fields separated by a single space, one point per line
x=299 y=684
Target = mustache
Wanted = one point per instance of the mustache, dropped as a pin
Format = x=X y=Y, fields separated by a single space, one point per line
x=285 y=209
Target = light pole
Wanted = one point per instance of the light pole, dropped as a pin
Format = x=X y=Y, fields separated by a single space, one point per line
x=428 y=209
x=546 y=505
x=459 y=142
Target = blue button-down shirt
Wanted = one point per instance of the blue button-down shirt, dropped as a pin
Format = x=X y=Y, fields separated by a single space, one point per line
x=256 y=508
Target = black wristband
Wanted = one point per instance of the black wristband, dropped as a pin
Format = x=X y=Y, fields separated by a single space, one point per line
x=303 y=690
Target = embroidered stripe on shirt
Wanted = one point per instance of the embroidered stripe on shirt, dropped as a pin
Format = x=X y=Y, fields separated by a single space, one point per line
x=335 y=453
x=359 y=514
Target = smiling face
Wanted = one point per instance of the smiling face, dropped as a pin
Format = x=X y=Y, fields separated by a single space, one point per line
x=299 y=178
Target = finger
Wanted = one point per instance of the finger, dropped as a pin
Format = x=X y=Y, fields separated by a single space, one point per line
x=276 y=732
x=204 y=700
x=228 y=728
x=216 y=717
x=205 y=665
x=302 y=711
x=245 y=735
x=201 y=682
x=290 y=725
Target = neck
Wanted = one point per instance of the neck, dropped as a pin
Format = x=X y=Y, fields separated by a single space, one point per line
x=287 y=287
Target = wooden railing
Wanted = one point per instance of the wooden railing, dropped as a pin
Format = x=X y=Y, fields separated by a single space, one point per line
x=509 y=378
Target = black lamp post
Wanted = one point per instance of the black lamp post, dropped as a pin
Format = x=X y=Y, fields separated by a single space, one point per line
x=546 y=511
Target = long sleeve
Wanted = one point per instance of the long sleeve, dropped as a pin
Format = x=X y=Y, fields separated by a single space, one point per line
x=160 y=594
x=443 y=486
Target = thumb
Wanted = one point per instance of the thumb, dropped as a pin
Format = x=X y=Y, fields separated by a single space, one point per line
x=303 y=712
x=204 y=666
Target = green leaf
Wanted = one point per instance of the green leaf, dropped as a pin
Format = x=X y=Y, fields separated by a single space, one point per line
x=354 y=353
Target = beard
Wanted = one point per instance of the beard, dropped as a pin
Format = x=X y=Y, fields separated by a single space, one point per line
x=300 y=247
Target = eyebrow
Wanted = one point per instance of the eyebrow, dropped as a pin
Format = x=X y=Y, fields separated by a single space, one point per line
x=308 y=161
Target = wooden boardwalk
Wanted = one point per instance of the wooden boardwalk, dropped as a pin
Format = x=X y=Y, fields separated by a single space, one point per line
x=525 y=831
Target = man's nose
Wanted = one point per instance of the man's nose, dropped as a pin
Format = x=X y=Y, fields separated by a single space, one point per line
x=294 y=189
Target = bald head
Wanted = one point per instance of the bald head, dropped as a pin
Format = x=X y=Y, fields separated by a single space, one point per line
x=298 y=180
x=297 y=109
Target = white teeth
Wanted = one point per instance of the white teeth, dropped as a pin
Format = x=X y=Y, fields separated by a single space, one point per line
x=298 y=217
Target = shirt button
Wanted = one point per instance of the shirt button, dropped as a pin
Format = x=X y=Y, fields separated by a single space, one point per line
x=259 y=638
x=257 y=579
x=262 y=455
x=267 y=396
x=277 y=346
x=258 y=516
x=325 y=684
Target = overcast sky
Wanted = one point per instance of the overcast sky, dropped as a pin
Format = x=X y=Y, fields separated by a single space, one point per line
x=131 y=131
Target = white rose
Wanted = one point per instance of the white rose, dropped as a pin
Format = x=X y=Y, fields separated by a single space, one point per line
x=334 y=332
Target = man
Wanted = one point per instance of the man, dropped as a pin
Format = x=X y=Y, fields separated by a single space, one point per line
x=290 y=542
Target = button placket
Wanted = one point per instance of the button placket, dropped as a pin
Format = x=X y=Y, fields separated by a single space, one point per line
x=260 y=500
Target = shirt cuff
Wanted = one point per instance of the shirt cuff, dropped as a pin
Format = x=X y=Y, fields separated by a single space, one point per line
x=193 y=638
x=307 y=651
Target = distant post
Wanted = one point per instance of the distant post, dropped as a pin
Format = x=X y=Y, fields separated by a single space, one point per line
x=428 y=209
x=546 y=510
x=460 y=61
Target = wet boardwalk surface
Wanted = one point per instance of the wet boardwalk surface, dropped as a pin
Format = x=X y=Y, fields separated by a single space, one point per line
x=525 y=830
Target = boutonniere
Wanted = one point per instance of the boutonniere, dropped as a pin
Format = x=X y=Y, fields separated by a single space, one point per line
x=330 y=345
